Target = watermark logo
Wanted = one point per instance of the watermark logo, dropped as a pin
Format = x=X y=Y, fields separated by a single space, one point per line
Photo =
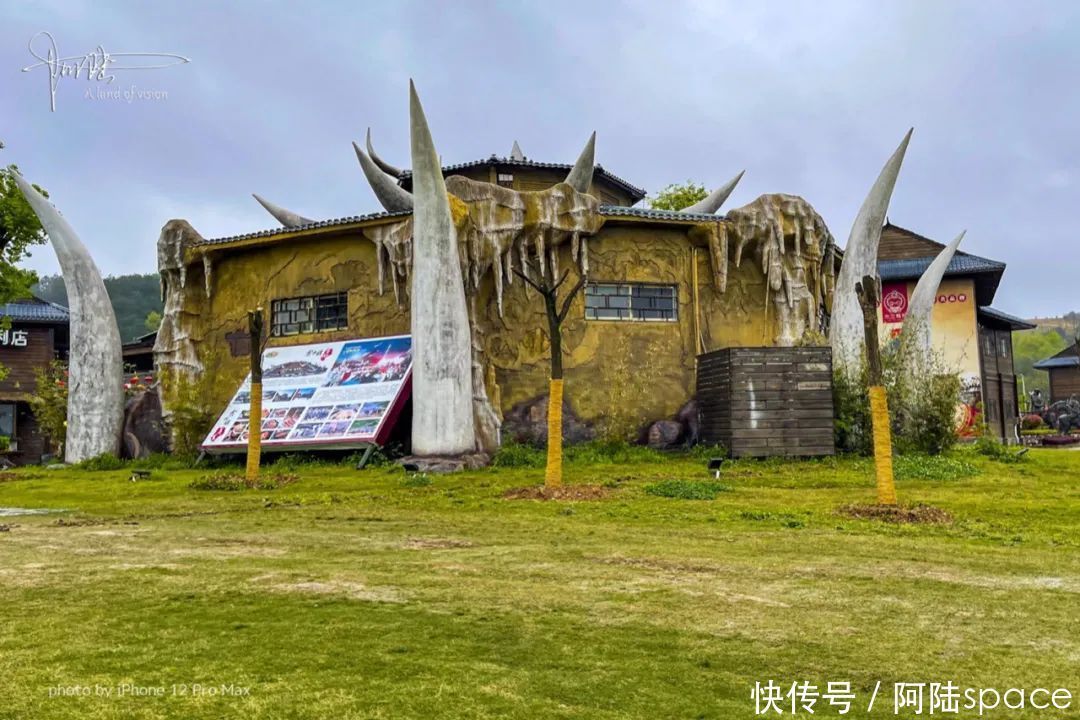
x=97 y=66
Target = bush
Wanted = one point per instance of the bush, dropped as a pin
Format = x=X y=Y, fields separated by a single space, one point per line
x=922 y=416
x=1031 y=422
x=608 y=452
x=103 y=462
x=687 y=489
x=514 y=454
x=989 y=446
x=49 y=403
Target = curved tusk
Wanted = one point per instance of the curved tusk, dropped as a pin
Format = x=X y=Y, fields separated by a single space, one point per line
x=287 y=218
x=95 y=411
x=443 y=420
x=846 y=334
x=383 y=165
x=580 y=176
x=390 y=195
x=915 y=334
x=716 y=198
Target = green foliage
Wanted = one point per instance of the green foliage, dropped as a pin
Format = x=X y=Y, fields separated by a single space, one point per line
x=678 y=196
x=1031 y=346
x=135 y=299
x=610 y=452
x=193 y=402
x=416 y=480
x=153 y=321
x=49 y=403
x=101 y=463
x=989 y=446
x=20 y=230
x=687 y=489
x=514 y=454
x=919 y=466
x=922 y=416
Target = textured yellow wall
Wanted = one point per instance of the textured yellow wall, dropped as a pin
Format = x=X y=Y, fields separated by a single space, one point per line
x=630 y=372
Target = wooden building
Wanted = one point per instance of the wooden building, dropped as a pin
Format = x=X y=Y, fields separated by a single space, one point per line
x=1064 y=370
x=969 y=335
x=37 y=335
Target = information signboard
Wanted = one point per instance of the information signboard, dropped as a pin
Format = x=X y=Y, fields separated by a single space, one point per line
x=323 y=395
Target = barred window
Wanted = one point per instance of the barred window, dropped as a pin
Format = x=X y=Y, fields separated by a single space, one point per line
x=631 y=301
x=315 y=313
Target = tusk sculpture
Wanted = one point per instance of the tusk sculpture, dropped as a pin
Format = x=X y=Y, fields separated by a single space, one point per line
x=915 y=336
x=382 y=164
x=95 y=411
x=287 y=218
x=716 y=198
x=390 y=195
x=443 y=421
x=860 y=259
x=580 y=176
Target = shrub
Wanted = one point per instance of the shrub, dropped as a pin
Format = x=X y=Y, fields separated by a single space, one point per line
x=105 y=461
x=514 y=454
x=49 y=403
x=989 y=446
x=608 y=452
x=1031 y=422
x=191 y=402
x=687 y=489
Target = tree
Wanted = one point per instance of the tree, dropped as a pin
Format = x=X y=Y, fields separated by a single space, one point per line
x=678 y=196
x=133 y=298
x=1031 y=346
x=20 y=230
x=153 y=321
x=548 y=287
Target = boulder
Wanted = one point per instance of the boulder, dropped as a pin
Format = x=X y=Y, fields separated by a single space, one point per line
x=664 y=434
x=526 y=423
x=144 y=429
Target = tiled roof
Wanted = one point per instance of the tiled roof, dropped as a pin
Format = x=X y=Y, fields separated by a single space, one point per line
x=309 y=226
x=632 y=190
x=622 y=211
x=608 y=210
x=35 y=310
x=961 y=264
x=1057 y=362
x=1011 y=320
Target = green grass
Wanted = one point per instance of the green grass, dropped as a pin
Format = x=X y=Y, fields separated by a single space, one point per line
x=380 y=594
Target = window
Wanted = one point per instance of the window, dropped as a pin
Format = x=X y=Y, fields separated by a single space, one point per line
x=309 y=314
x=7 y=422
x=505 y=179
x=631 y=301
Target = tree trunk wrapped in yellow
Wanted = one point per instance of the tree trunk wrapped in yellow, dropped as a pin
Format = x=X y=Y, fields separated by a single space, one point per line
x=254 y=450
x=553 y=471
x=869 y=294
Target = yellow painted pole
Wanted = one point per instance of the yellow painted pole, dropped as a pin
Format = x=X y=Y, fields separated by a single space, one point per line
x=883 y=467
x=254 y=449
x=553 y=471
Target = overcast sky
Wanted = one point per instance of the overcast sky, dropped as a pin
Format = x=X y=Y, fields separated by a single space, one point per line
x=809 y=97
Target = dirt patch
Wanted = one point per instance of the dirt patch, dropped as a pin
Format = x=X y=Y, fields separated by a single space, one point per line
x=8 y=476
x=351 y=590
x=90 y=522
x=563 y=492
x=6 y=528
x=900 y=514
x=435 y=544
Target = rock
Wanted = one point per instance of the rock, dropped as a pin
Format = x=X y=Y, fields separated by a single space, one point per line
x=690 y=418
x=527 y=423
x=664 y=434
x=444 y=463
x=144 y=429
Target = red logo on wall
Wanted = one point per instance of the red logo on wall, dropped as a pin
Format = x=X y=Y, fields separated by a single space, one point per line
x=894 y=302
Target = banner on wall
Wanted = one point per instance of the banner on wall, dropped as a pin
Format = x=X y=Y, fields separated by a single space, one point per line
x=322 y=396
x=894 y=302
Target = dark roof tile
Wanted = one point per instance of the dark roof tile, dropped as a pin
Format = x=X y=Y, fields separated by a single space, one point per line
x=35 y=310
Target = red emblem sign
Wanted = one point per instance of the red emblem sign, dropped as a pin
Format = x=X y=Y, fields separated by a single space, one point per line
x=894 y=302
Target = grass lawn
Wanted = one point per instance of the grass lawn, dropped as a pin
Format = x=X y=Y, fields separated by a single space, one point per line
x=377 y=594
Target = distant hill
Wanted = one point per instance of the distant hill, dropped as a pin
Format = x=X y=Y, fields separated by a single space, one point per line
x=133 y=298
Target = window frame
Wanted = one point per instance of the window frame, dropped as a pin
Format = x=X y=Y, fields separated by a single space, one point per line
x=326 y=312
x=633 y=313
